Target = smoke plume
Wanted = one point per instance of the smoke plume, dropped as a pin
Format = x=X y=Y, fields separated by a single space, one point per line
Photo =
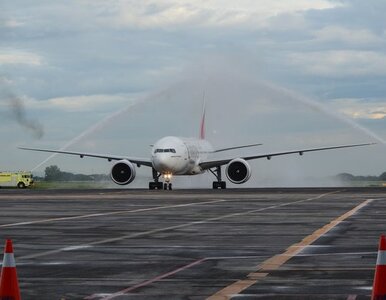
x=19 y=114
x=17 y=109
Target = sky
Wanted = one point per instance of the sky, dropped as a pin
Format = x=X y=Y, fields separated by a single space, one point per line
x=114 y=76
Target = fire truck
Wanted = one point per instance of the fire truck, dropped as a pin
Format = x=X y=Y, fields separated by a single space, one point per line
x=16 y=179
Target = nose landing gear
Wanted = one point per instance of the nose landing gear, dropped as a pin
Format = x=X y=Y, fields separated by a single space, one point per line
x=168 y=184
x=159 y=185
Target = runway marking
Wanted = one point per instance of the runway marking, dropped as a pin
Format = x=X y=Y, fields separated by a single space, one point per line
x=277 y=261
x=147 y=282
x=338 y=253
x=187 y=225
x=107 y=214
x=351 y=297
x=144 y=233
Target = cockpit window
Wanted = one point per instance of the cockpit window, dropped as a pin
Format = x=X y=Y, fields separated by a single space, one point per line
x=170 y=150
x=165 y=150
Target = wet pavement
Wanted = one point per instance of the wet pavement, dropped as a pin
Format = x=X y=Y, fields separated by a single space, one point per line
x=194 y=244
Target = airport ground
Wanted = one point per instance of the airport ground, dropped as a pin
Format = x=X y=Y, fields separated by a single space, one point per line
x=318 y=243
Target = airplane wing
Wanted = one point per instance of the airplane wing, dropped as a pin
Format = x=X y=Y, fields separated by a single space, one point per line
x=137 y=161
x=237 y=147
x=216 y=163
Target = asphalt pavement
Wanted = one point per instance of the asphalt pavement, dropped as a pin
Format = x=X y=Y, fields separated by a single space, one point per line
x=318 y=243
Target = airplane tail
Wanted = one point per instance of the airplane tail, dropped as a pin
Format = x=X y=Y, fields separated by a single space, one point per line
x=202 y=127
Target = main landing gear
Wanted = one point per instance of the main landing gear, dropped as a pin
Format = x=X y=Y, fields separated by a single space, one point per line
x=155 y=185
x=159 y=185
x=219 y=184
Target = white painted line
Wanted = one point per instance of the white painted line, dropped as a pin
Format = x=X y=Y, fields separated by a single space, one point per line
x=122 y=212
x=123 y=292
x=148 y=282
x=73 y=248
x=145 y=233
x=365 y=288
x=334 y=253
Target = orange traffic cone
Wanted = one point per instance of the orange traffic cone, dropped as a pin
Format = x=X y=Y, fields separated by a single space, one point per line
x=379 y=286
x=9 y=286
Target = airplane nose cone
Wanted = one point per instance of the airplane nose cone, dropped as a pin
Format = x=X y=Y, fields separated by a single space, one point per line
x=164 y=163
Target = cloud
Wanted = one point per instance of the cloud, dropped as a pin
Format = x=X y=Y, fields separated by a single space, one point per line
x=89 y=103
x=11 y=23
x=340 y=63
x=17 y=57
x=345 y=35
x=79 y=60
x=152 y=14
x=5 y=81
x=361 y=108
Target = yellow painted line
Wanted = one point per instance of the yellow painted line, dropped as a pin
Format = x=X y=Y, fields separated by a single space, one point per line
x=277 y=261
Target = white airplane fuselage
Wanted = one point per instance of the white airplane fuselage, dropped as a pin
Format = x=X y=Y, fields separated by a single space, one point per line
x=179 y=156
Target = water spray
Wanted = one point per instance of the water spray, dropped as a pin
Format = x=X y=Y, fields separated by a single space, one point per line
x=102 y=123
x=88 y=131
x=323 y=109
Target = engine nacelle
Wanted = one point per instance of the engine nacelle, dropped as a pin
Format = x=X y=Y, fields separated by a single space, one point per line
x=123 y=172
x=238 y=171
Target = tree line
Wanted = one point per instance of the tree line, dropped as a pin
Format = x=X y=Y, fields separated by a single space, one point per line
x=347 y=177
x=53 y=173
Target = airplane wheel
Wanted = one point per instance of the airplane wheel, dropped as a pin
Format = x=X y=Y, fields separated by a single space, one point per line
x=151 y=186
x=170 y=186
x=160 y=185
x=165 y=186
x=219 y=185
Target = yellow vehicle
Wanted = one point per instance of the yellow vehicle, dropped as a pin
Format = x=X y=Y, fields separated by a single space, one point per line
x=16 y=179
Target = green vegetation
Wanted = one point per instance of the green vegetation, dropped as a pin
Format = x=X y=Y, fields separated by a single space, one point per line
x=42 y=184
x=56 y=179
x=349 y=179
x=53 y=173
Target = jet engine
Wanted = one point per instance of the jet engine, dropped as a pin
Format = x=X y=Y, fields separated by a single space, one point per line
x=123 y=172
x=238 y=171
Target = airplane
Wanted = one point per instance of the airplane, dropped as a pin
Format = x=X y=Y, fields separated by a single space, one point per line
x=173 y=155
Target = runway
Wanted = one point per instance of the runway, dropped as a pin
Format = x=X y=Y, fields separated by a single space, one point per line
x=318 y=243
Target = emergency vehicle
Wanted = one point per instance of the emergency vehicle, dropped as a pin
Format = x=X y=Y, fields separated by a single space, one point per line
x=16 y=179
